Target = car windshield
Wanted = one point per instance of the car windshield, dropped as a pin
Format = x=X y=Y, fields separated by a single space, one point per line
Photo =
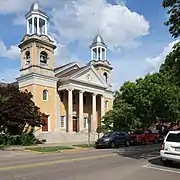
x=173 y=137
x=108 y=134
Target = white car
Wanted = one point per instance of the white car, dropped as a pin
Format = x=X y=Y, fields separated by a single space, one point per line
x=170 y=151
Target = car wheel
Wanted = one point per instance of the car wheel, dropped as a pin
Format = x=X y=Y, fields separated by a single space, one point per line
x=112 y=144
x=127 y=143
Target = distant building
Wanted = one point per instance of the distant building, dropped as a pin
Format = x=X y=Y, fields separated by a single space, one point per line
x=70 y=95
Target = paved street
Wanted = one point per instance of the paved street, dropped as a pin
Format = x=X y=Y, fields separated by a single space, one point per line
x=122 y=164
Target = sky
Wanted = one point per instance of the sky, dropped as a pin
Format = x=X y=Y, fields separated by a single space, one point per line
x=134 y=31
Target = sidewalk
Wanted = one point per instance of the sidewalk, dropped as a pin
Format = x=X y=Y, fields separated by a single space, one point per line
x=22 y=148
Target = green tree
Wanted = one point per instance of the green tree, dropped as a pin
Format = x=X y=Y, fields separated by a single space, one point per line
x=121 y=117
x=173 y=22
x=17 y=110
x=139 y=104
x=171 y=67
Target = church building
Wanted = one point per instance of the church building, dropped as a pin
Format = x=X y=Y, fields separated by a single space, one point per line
x=73 y=97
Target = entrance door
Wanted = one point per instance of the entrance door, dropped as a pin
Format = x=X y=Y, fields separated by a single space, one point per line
x=45 y=123
x=75 y=124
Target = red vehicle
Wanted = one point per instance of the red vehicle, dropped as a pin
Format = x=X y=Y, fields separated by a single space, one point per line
x=144 y=137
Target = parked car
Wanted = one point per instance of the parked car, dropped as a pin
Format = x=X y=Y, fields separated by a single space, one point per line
x=144 y=137
x=170 y=151
x=159 y=134
x=114 y=139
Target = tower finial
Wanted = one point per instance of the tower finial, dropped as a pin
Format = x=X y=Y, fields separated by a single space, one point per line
x=98 y=31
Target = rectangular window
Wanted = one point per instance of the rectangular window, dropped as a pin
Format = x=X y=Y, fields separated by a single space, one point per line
x=106 y=104
x=85 y=122
x=45 y=95
x=62 y=121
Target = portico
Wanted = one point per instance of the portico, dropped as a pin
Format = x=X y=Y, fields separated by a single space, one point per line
x=83 y=109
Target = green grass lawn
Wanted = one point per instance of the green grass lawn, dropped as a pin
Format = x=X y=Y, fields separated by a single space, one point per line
x=84 y=145
x=49 y=149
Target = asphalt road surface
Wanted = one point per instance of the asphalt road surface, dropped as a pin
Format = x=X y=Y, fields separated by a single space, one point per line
x=137 y=163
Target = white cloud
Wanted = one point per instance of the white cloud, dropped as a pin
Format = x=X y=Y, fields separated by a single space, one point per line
x=158 y=60
x=63 y=56
x=79 y=20
x=12 y=52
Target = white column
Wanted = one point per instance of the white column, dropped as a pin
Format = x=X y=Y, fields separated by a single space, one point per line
x=81 y=111
x=101 y=53
x=38 y=30
x=27 y=23
x=70 y=110
x=45 y=27
x=92 y=53
x=102 y=106
x=105 y=51
x=94 y=117
x=97 y=53
x=32 y=25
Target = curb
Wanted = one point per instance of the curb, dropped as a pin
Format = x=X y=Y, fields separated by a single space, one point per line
x=75 y=150
x=9 y=149
x=61 y=151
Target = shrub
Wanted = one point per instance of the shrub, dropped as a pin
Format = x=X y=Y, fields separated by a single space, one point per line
x=25 y=139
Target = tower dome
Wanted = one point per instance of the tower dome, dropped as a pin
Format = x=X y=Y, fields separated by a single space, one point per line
x=34 y=7
x=98 y=39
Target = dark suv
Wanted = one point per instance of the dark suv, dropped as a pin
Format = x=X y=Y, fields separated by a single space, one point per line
x=114 y=139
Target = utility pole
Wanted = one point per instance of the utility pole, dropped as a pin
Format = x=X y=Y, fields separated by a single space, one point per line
x=89 y=132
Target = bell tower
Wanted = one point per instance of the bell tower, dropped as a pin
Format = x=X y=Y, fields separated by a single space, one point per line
x=37 y=49
x=37 y=63
x=99 y=60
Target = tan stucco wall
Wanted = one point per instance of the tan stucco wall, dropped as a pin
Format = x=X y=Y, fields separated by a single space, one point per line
x=48 y=107
x=110 y=104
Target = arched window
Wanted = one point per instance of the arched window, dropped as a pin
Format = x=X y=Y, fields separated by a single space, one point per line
x=105 y=76
x=106 y=104
x=43 y=57
x=45 y=95
x=27 y=57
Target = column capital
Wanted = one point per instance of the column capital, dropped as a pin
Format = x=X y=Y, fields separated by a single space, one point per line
x=70 y=89
x=81 y=91
x=94 y=94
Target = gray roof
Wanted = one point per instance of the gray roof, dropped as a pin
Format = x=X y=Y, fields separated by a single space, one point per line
x=98 y=39
x=35 y=7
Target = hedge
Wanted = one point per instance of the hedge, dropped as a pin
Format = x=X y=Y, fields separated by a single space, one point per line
x=25 y=139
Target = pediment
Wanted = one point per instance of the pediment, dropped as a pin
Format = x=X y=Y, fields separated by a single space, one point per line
x=90 y=76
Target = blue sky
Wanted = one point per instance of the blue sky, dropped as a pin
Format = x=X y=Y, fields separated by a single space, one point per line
x=135 y=34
